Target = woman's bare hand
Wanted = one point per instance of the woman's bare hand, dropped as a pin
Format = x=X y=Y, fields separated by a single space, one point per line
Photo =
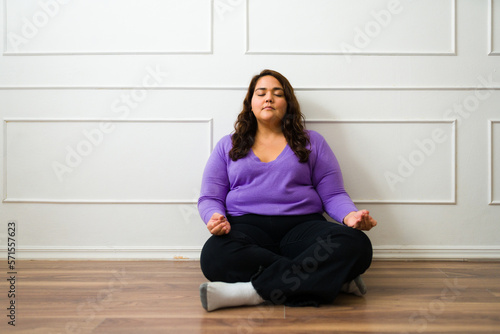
x=360 y=220
x=218 y=224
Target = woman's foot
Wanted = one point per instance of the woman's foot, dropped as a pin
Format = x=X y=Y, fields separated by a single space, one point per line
x=215 y=295
x=356 y=287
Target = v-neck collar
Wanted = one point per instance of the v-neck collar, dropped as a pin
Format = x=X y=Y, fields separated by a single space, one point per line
x=279 y=157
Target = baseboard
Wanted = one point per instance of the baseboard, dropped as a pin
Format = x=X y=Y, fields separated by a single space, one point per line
x=455 y=253
x=108 y=253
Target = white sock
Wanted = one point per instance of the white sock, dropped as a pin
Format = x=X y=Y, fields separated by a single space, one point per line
x=356 y=287
x=215 y=295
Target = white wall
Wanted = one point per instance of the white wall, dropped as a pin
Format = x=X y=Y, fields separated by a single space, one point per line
x=110 y=110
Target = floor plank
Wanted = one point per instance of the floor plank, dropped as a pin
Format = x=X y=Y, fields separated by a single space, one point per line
x=162 y=297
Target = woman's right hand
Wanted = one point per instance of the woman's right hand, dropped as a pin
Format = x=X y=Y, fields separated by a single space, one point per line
x=218 y=224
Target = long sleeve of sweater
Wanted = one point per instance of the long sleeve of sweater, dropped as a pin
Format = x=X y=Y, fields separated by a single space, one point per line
x=215 y=182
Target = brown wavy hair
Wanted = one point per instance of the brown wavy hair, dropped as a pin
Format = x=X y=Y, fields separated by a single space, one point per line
x=292 y=123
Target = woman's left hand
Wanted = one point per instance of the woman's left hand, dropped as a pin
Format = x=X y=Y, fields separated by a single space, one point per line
x=360 y=220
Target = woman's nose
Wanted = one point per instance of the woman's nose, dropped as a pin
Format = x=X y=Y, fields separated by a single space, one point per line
x=269 y=97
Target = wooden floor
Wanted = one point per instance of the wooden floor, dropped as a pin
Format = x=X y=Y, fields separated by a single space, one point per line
x=162 y=297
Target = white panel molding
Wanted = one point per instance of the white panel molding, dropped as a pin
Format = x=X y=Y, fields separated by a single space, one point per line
x=491 y=173
x=457 y=253
x=118 y=53
x=121 y=53
x=7 y=199
x=452 y=200
x=452 y=52
x=491 y=31
x=297 y=88
x=4 y=17
x=83 y=201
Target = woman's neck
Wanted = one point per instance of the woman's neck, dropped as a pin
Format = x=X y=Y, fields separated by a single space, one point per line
x=268 y=133
x=268 y=144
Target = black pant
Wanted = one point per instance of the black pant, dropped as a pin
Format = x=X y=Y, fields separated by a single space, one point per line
x=291 y=260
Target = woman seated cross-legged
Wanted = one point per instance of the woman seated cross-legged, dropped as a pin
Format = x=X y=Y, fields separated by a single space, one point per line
x=265 y=189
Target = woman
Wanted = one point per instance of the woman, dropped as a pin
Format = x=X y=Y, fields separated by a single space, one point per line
x=264 y=190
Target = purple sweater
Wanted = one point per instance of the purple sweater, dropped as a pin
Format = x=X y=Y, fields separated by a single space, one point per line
x=281 y=187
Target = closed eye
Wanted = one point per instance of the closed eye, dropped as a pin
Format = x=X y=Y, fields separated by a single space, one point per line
x=277 y=91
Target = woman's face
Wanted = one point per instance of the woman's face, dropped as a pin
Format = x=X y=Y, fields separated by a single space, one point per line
x=268 y=101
